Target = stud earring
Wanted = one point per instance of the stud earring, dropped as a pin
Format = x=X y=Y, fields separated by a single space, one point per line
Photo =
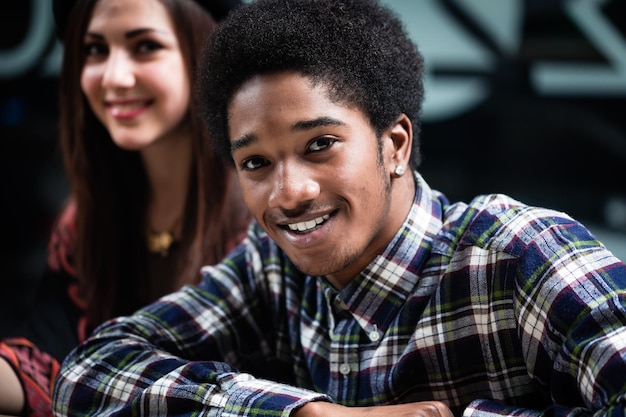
x=399 y=170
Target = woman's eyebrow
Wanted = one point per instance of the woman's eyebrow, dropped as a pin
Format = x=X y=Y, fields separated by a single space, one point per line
x=128 y=35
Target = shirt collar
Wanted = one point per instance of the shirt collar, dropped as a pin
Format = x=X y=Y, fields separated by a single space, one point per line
x=374 y=297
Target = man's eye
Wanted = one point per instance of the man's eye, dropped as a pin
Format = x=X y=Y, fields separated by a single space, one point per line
x=253 y=164
x=321 y=144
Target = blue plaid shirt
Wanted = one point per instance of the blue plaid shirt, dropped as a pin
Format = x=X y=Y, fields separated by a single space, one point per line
x=492 y=307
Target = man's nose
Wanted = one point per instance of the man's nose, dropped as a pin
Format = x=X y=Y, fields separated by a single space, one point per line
x=293 y=185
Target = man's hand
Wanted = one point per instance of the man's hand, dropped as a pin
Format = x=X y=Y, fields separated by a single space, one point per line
x=419 y=409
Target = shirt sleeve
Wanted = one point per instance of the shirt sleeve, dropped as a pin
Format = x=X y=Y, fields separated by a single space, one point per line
x=571 y=310
x=176 y=356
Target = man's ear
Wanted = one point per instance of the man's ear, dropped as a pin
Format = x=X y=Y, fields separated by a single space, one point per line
x=400 y=135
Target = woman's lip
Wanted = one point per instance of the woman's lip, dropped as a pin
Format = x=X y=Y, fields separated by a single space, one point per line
x=127 y=109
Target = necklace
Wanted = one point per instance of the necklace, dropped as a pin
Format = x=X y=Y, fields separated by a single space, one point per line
x=159 y=242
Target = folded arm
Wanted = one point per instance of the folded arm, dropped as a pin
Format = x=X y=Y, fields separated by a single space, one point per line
x=141 y=364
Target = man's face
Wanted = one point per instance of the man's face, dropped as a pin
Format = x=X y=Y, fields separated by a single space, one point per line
x=313 y=175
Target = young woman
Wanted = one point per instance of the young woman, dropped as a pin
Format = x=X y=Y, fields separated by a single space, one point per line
x=150 y=201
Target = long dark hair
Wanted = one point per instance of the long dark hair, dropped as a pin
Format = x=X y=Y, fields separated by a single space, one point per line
x=109 y=185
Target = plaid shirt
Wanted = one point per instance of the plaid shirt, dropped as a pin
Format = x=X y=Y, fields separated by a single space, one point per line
x=493 y=307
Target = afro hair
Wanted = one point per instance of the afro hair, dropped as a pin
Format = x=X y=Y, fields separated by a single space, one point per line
x=358 y=49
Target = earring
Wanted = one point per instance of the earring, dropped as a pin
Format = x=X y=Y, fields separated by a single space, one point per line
x=399 y=171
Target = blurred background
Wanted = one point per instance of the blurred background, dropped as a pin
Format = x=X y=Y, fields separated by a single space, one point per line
x=524 y=97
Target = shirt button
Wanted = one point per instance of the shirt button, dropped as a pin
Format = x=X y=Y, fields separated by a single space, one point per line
x=344 y=369
x=374 y=335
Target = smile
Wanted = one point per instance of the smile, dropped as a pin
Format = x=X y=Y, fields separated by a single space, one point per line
x=127 y=109
x=307 y=226
x=126 y=106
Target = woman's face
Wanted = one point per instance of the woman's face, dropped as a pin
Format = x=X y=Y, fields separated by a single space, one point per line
x=134 y=76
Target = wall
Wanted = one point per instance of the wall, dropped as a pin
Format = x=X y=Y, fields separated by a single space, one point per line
x=523 y=97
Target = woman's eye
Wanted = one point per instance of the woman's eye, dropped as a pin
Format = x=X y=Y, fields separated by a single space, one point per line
x=253 y=164
x=321 y=144
x=145 y=47
x=94 y=49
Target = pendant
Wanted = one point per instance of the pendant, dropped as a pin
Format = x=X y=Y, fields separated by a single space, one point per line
x=159 y=242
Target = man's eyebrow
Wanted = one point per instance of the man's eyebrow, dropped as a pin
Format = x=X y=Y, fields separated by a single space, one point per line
x=242 y=142
x=247 y=140
x=321 y=121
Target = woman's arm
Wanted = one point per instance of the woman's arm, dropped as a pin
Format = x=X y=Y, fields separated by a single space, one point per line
x=11 y=393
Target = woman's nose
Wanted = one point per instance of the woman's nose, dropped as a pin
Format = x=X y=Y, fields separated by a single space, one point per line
x=118 y=71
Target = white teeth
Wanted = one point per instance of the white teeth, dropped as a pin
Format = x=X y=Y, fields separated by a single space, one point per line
x=126 y=107
x=304 y=226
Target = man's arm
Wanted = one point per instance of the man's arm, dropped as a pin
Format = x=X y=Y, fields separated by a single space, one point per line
x=178 y=356
x=571 y=311
x=137 y=365
x=572 y=315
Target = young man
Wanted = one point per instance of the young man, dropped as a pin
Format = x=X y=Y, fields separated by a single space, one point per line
x=360 y=290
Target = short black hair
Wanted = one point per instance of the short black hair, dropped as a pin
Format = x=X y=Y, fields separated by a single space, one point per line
x=358 y=49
